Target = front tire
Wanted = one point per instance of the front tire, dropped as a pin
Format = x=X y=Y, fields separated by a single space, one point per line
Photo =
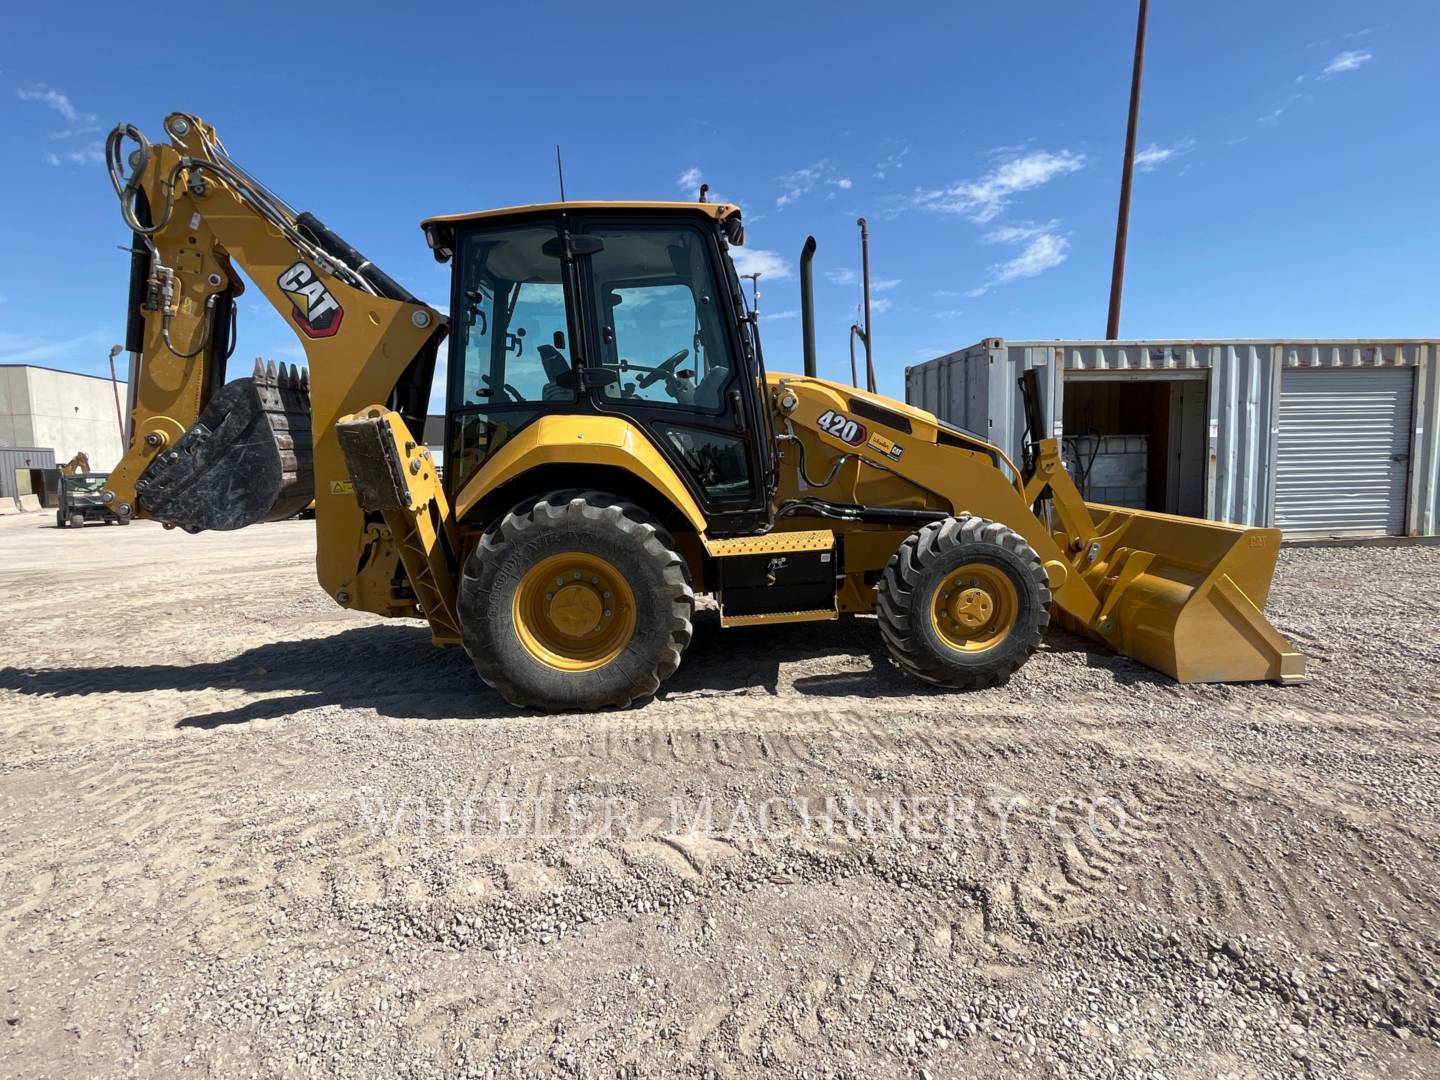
x=963 y=603
x=576 y=601
x=77 y=521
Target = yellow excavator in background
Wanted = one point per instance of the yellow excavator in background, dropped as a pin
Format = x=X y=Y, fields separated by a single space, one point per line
x=614 y=446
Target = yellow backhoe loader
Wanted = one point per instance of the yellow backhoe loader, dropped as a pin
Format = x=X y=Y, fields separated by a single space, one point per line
x=614 y=446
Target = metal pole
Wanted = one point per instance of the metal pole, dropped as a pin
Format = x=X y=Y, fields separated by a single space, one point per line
x=754 y=280
x=854 y=376
x=116 y=350
x=1122 y=224
x=865 y=275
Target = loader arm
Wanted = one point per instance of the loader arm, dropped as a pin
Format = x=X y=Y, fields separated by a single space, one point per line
x=207 y=455
x=1182 y=595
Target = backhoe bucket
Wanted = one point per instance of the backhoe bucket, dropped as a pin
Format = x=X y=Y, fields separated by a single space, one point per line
x=247 y=458
x=1183 y=595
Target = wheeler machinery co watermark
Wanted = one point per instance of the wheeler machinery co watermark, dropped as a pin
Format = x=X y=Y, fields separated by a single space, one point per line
x=829 y=817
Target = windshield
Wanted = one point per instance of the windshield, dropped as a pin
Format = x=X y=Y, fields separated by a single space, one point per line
x=84 y=483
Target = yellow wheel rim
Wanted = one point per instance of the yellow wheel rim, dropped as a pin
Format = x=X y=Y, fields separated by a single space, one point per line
x=974 y=608
x=574 y=612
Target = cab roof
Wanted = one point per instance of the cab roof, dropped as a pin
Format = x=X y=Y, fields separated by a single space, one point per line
x=718 y=211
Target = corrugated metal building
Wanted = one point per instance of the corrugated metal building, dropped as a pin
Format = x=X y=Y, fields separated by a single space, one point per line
x=20 y=468
x=1321 y=438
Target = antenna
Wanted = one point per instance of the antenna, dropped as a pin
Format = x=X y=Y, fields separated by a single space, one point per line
x=560 y=169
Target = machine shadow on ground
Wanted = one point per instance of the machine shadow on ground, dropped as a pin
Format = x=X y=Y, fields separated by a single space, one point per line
x=381 y=667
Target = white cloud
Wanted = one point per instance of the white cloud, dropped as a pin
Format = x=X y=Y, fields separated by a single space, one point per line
x=776 y=316
x=1043 y=252
x=74 y=352
x=800 y=182
x=1153 y=156
x=92 y=154
x=690 y=180
x=842 y=276
x=844 y=183
x=982 y=200
x=1273 y=116
x=891 y=162
x=768 y=264
x=1017 y=234
x=53 y=99
x=883 y=284
x=948 y=313
x=945 y=292
x=1347 y=61
x=879 y=305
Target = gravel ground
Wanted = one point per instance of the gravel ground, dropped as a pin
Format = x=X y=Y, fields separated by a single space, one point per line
x=247 y=833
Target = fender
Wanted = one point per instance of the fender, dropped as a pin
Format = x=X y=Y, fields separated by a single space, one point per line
x=581 y=440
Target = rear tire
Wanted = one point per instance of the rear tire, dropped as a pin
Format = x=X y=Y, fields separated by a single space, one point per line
x=77 y=521
x=576 y=601
x=122 y=519
x=963 y=603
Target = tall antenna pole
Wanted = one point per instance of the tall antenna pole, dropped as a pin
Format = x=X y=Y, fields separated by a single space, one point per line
x=865 y=275
x=1122 y=223
x=560 y=169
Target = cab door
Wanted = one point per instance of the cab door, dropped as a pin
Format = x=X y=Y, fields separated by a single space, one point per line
x=662 y=318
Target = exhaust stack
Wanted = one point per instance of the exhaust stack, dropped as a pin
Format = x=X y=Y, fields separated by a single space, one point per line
x=807 y=304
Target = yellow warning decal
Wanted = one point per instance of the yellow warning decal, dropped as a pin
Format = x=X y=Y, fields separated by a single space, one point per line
x=884 y=446
x=341 y=487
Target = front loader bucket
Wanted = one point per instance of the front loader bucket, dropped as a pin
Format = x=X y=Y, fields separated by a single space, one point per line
x=247 y=458
x=1183 y=595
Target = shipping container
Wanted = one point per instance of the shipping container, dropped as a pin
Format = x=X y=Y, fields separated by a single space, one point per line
x=1321 y=438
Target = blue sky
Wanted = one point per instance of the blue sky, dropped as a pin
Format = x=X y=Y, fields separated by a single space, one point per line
x=1287 y=184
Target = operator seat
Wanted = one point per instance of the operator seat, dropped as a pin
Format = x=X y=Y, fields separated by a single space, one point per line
x=555 y=365
x=707 y=393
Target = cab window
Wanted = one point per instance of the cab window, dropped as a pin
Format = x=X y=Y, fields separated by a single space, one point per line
x=511 y=331
x=661 y=325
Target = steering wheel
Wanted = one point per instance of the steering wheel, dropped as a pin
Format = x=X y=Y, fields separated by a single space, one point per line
x=664 y=370
x=509 y=390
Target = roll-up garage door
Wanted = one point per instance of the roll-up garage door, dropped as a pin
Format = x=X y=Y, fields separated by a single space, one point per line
x=1343 y=453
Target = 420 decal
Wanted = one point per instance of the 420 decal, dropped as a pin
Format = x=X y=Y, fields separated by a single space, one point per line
x=842 y=427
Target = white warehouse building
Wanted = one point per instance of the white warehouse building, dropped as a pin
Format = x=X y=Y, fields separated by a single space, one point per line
x=63 y=411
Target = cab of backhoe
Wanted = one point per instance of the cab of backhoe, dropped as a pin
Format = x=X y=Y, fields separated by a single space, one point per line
x=605 y=310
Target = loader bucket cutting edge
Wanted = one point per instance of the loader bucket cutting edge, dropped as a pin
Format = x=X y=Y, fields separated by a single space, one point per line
x=1184 y=596
x=247 y=458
